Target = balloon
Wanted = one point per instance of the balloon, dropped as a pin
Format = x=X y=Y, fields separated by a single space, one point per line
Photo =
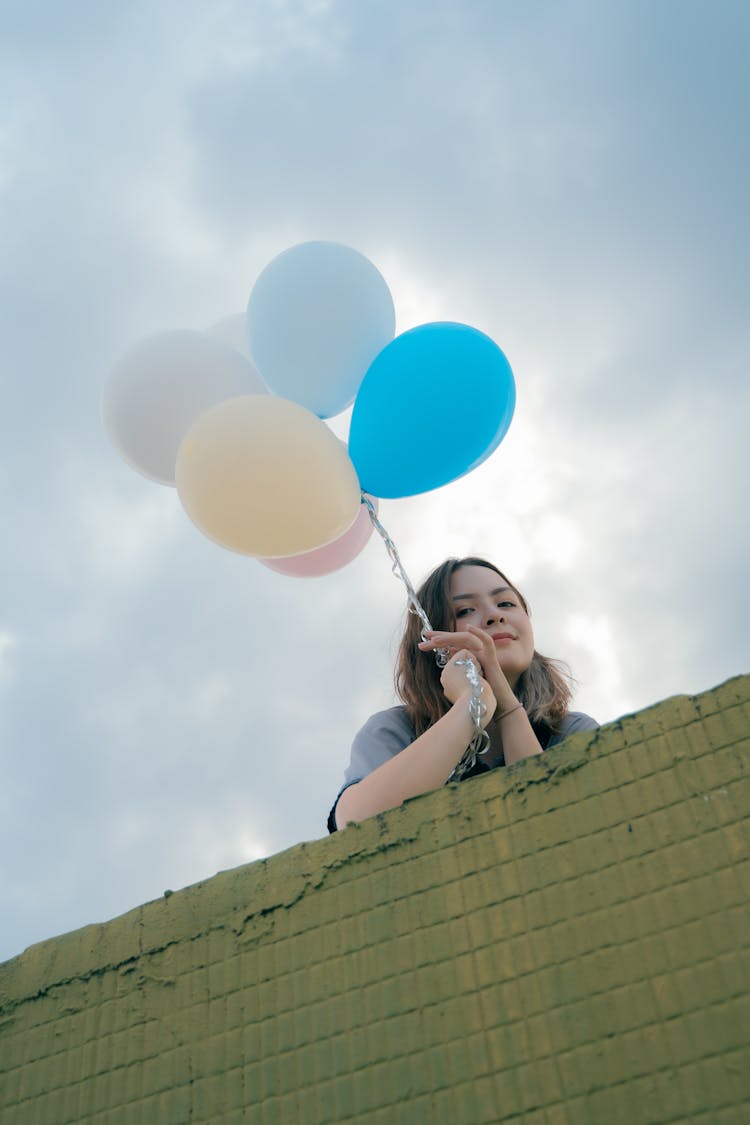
x=156 y=391
x=263 y=476
x=232 y=330
x=325 y=560
x=434 y=404
x=317 y=316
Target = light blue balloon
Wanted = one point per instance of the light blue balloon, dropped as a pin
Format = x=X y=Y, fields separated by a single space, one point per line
x=317 y=316
x=434 y=404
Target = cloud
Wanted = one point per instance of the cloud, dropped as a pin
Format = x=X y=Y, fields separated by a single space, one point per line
x=7 y=641
x=559 y=180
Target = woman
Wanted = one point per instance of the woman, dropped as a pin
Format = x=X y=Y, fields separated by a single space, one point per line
x=408 y=750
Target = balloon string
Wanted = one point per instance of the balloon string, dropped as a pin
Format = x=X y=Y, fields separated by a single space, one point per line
x=480 y=740
x=415 y=605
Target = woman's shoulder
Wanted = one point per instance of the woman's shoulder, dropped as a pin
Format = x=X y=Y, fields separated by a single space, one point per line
x=385 y=734
x=573 y=722
x=393 y=721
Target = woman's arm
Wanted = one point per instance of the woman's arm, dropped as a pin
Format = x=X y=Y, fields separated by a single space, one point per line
x=518 y=738
x=426 y=763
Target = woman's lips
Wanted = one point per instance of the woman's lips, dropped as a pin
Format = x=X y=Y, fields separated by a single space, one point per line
x=497 y=637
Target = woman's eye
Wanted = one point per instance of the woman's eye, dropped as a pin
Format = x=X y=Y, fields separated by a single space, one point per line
x=462 y=612
x=506 y=605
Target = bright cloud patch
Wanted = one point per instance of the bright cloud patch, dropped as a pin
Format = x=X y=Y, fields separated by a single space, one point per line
x=6 y=644
x=594 y=652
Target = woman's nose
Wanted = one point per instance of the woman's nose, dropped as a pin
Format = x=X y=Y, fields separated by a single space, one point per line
x=493 y=615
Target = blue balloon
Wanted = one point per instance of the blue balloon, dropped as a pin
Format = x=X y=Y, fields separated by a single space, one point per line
x=318 y=315
x=433 y=405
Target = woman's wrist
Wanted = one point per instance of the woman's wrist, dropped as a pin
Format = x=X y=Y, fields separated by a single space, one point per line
x=462 y=704
x=502 y=690
x=462 y=701
x=507 y=702
x=509 y=710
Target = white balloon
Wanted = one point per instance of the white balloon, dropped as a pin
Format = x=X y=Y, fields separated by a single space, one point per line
x=317 y=316
x=155 y=393
x=232 y=330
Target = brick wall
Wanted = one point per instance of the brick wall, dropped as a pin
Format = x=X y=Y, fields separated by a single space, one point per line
x=563 y=942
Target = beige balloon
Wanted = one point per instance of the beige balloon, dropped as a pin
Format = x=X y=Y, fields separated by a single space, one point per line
x=264 y=476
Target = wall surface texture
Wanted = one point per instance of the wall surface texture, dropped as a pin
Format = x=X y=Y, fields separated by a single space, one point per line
x=564 y=942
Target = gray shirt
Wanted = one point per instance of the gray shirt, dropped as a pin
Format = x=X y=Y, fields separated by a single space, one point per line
x=387 y=733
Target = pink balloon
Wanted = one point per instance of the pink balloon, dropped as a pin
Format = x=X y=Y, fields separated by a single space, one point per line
x=325 y=560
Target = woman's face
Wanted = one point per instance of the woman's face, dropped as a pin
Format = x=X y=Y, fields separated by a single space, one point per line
x=481 y=597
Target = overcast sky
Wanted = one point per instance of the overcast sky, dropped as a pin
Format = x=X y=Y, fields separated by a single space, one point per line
x=570 y=177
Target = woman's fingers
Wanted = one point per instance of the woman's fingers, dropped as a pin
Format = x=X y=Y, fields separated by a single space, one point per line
x=484 y=639
x=453 y=678
x=478 y=644
x=444 y=639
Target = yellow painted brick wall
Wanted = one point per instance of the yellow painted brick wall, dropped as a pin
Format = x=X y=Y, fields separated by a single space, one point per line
x=564 y=942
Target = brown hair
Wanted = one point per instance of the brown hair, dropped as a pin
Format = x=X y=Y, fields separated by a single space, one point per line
x=543 y=689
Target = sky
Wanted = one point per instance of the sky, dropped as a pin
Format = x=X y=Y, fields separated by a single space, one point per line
x=570 y=178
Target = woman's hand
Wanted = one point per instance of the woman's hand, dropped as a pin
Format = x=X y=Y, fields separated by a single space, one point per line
x=456 y=686
x=479 y=645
